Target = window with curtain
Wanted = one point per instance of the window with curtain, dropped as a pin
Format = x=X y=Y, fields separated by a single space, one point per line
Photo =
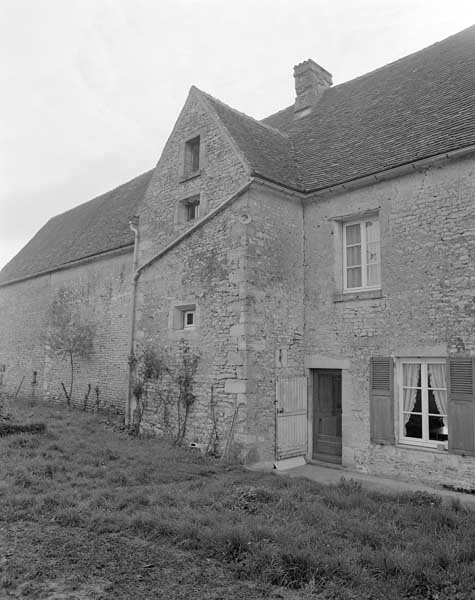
x=423 y=401
x=361 y=255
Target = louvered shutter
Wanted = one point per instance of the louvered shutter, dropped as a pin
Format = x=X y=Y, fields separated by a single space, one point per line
x=382 y=400
x=461 y=417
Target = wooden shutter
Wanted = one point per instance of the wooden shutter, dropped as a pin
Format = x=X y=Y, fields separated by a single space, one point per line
x=382 y=400
x=291 y=406
x=461 y=401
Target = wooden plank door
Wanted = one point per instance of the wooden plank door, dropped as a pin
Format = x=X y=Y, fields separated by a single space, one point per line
x=291 y=417
x=327 y=415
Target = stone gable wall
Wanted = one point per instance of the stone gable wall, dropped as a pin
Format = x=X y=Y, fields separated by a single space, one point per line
x=428 y=301
x=221 y=174
x=101 y=290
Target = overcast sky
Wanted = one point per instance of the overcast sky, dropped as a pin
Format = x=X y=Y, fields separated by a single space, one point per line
x=90 y=89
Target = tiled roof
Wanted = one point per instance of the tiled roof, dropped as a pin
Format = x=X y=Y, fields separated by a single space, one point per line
x=419 y=106
x=268 y=151
x=97 y=226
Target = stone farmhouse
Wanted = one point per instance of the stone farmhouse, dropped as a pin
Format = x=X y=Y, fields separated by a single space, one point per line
x=321 y=261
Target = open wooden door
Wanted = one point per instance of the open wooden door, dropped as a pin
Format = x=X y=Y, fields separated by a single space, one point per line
x=327 y=415
x=291 y=417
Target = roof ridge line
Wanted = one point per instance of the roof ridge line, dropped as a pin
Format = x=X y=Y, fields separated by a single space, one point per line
x=242 y=114
x=207 y=105
x=399 y=60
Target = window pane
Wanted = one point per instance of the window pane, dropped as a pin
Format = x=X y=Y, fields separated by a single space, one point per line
x=353 y=256
x=188 y=318
x=192 y=155
x=413 y=427
x=437 y=429
x=353 y=234
x=412 y=413
x=411 y=375
x=372 y=231
x=437 y=377
x=192 y=211
x=195 y=163
x=353 y=277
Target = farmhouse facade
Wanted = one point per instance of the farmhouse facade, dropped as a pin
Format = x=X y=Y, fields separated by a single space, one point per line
x=319 y=262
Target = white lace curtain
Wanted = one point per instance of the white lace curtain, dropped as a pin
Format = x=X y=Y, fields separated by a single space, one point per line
x=438 y=380
x=410 y=380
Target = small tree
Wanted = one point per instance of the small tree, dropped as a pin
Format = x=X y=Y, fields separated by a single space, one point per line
x=68 y=334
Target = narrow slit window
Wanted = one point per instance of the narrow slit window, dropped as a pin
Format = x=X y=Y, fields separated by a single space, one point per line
x=192 y=156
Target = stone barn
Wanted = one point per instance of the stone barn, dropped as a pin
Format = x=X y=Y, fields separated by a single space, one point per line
x=318 y=263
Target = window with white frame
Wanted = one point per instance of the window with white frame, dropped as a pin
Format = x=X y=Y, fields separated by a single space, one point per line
x=422 y=388
x=188 y=318
x=361 y=255
x=183 y=317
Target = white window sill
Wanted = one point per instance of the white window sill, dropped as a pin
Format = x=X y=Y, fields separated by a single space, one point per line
x=440 y=448
x=358 y=295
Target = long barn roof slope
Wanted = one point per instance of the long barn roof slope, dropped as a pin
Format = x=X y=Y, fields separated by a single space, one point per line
x=97 y=226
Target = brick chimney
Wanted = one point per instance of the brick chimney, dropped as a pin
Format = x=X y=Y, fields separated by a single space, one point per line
x=311 y=80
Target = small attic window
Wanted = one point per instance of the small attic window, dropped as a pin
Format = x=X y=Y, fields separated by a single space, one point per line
x=192 y=155
x=188 y=209
x=188 y=318
x=192 y=208
x=184 y=317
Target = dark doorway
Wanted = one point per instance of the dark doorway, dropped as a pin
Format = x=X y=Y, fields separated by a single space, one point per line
x=327 y=415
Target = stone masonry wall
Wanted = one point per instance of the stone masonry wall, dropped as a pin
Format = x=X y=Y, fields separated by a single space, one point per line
x=274 y=308
x=101 y=289
x=427 y=305
x=206 y=271
x=243 y=270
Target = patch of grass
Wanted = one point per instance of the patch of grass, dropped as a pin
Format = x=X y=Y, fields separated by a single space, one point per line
x=338 y=541
x=15 y=428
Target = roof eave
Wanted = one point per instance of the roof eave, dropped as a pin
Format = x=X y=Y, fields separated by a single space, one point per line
x=74 y=263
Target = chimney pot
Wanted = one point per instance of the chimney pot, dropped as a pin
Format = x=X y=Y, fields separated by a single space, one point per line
x=311 y=80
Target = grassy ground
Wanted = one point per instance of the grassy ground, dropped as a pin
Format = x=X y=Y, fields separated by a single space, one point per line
x=88 y=512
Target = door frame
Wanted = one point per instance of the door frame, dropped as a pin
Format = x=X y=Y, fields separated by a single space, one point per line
x=336 y=459
x=317 y=361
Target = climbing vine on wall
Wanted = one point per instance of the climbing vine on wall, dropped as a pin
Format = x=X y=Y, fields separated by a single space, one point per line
x=167 y=374
x=146 y=367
